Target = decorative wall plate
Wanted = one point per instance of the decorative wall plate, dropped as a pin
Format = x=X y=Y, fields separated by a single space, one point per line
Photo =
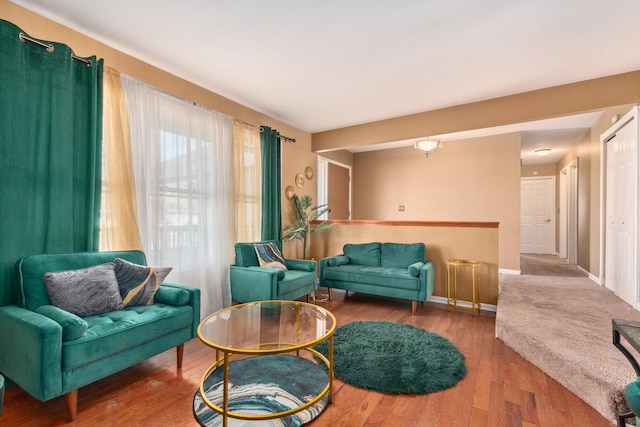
x=299 y=180
x=308 y=172
x=289 y=192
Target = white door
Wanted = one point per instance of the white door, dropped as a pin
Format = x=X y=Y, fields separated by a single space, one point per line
x=568 y=213
x=537 y=211
x=622 y=195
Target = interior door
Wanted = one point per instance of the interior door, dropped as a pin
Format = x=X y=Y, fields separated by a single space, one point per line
x=339 y=183
x=621 y=203
x=537 y=211
x=568 y=213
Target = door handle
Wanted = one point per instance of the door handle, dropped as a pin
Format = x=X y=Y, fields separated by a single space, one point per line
x=548 y=219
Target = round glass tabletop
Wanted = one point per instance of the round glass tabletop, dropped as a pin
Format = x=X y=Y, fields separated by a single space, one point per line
x=265 y=327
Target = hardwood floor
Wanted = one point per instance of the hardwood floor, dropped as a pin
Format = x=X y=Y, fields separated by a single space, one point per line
x=500 y=389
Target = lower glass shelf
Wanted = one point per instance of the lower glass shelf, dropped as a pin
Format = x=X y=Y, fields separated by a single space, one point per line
x=262 y=386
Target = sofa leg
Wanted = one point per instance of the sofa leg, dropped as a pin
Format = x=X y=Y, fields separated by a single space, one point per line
x=329 y=293
x=72 y=404
x=414 y=305
x=179 y=354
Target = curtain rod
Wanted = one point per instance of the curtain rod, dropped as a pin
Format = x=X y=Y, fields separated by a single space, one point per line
x=50 y=48
x=164 y=92
x=286 y=138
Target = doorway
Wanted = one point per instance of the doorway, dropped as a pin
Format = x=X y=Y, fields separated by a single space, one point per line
x=334 y=188
x=537 y=215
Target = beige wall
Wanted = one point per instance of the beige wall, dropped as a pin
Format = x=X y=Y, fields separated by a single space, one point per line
x=469 y=180
x=613 y=95
x=341 y=156
x=443 y=242
x=547 y=103
x=295 y=158
x=582 y=152
x=538 y=170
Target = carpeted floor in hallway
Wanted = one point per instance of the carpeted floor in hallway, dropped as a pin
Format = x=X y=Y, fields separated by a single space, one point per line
x=548 y=265
x=560 y=320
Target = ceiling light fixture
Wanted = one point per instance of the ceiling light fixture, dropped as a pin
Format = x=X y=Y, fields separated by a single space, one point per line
x=542 y=152
x=427 y=145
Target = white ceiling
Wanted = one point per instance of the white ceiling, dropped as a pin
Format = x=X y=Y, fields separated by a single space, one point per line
x=321 y=65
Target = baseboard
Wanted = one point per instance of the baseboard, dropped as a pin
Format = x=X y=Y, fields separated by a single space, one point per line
x=505 y=271
x=593 y=277
x=442 y=300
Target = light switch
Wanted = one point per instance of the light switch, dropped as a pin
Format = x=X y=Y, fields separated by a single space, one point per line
x=401 y=208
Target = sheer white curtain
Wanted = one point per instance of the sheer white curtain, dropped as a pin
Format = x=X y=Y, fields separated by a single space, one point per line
x=181 y=161
x=248 y=182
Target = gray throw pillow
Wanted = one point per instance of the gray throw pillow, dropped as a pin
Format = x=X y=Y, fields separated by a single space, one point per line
x=84 y=292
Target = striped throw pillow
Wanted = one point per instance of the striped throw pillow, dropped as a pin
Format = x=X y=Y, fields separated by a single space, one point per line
x=269 y=255
x=138 y=283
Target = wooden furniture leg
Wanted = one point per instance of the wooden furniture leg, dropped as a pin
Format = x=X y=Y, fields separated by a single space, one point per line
x=179 y=354
x=329 y=293
x=72 y=404
x=414 y=305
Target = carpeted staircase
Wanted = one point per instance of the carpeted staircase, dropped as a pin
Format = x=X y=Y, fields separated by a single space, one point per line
x=563 y=326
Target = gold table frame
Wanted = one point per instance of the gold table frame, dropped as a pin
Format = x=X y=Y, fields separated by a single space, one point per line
x=475 y=284
x=267 y=348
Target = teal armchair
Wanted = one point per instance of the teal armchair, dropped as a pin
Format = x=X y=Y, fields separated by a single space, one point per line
x=632 y=395
x=250 y=282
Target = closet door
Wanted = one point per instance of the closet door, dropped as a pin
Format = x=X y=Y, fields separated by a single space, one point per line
x=621 y=261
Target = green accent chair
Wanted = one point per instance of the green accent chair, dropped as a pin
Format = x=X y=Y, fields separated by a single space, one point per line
x=632 y=395
x=250 y=282
x=49 y=352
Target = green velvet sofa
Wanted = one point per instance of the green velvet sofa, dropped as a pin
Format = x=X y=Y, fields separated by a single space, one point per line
x=250 y=282
x=50 y=352
x=398 y=270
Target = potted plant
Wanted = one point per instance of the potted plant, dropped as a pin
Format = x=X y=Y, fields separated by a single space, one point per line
x=303 y=215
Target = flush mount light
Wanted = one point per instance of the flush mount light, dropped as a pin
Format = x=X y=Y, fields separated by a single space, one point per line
x=542 y=152
x=427 y=145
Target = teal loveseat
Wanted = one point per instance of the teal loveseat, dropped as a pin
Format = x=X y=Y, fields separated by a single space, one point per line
x=50 y=352
x=250 y=282
x=398 y=270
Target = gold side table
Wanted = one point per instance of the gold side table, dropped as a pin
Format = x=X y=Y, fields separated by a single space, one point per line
x=455 y=265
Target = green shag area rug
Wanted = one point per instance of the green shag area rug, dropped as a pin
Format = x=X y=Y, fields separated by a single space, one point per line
x=394 y=358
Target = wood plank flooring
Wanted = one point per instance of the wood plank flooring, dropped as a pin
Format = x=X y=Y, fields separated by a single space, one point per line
x=500 y=389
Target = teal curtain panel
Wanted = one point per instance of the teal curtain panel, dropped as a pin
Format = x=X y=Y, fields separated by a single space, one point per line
x=50 y=150
x=271 y=184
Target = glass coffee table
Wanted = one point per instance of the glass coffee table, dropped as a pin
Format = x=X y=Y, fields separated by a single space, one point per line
x=272 y=374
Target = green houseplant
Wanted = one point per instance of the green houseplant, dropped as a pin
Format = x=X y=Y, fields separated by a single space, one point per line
x=303 y=215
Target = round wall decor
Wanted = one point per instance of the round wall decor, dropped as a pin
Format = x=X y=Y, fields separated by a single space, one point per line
x=289 y=192
x=299 y=180
x=308 y=172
